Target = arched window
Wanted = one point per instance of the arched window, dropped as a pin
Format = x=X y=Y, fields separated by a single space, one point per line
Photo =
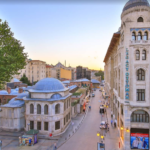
x=31 y=109
x=140 y=116
x=57 y=109
x=144 y=55
x=137 y=55
x=141 y=74
x=139 y=36
x=38 y=109
x=145 y=35
x=133 y=36
x=46 y=109
x=64 y=106
x=140 y=19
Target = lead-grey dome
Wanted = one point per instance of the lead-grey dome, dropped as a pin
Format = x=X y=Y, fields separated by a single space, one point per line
x=49 y=84
x=134 y=3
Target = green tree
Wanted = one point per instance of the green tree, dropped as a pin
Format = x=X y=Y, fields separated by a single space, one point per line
x=12 y=56
x=24 y=79
x=100 y=73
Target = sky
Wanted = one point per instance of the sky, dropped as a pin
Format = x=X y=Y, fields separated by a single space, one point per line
x=78 y=32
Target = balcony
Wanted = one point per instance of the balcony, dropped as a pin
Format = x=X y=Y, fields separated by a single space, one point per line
x=133 y=42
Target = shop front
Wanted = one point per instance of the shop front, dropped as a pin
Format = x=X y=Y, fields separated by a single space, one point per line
x=139 y=138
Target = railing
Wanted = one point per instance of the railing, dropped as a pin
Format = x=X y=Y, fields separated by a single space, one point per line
x=140 y=42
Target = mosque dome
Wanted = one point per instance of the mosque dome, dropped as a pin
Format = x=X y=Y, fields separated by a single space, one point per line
x=49 y=84
x=134 y=3
x=3 y=92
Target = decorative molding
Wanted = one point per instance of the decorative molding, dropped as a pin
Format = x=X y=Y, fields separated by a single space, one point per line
x=141 y=66
x=139 y=29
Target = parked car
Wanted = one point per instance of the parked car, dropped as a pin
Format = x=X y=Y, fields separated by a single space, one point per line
x=101 y=110
x=102 y=125
x=93 y=95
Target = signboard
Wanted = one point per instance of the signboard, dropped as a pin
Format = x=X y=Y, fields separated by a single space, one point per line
x=139 y=141
x=100 y=146
x=127 y=76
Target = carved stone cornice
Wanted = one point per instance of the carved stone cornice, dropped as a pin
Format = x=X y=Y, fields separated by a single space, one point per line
x=141 y=66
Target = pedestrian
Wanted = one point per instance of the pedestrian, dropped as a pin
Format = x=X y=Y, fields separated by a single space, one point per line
x=55 y=147
x=114 y=124
x=111 y=122
x=111 y=114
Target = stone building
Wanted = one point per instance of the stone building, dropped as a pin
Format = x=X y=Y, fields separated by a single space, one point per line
x=127 y=73
x=48 y=107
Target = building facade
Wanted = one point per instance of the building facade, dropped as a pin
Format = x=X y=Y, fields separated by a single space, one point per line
x=127 y=74
x=48 y=107
x=34 y=70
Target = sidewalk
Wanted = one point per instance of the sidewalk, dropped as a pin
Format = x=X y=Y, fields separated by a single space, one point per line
x=113 y=134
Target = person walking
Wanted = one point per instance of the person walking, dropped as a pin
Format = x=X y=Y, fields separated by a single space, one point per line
x=111 y=122
x=55 y=147
x=111 y=114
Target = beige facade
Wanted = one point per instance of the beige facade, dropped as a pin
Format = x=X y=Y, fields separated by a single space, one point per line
x=35 y=70
x=127 y=71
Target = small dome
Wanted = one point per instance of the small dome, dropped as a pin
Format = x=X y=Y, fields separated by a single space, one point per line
x=56 y=96
x=3 y=92
x=134 y=3
x=49 y=84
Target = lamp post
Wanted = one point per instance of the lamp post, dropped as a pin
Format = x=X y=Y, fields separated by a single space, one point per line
x=28 y=126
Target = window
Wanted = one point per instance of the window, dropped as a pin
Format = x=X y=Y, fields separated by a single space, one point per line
x=57 y=125
x=38 y=109
x=146 y=35
x=139 y=36
x=133 y=36
x=121 y=110
x=31 y=124
x=46 y=109
x=64 y=121
x=38 y=125
x=57 y=109
x=140 y=116
x=31 y=109
x=64 y=106
x=46 y=126
x=137 y=55
x=144 y=55
x=69 y=115
x=140 y=19
x=67 y=118
x=141 y=74
x=140 y=95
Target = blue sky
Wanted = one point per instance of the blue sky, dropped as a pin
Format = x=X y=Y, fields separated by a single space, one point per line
x=79 y=33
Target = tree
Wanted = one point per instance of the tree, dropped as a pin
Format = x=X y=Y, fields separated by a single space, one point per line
x=100 y=73
x=12 y=56
x=24 y=79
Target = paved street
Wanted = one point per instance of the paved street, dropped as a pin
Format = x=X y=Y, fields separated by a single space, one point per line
x=85 y=138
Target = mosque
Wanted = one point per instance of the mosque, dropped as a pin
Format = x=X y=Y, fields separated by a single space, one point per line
x=45 y=107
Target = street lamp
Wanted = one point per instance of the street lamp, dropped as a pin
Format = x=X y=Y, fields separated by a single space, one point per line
x=28 y=126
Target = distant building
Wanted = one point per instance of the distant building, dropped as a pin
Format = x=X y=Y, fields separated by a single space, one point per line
x=48 y=70
x=88 y=74
x=79 y=72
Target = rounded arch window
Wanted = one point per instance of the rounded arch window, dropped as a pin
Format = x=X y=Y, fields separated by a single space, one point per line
x=139 y=36
x=133 y=36
x=141 y=74
x=137 y=55
x=57 y=109
x=38 y=109
x=140 y=116
x=46 y=109
x=144 y=55
x=56 y=96
x=31 y=109
x=146 y=35
x=140 y=19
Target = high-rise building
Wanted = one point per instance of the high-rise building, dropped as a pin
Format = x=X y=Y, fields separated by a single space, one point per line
x=127 y=75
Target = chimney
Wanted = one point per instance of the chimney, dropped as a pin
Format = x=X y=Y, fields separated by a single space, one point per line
x=20 y=90
x=8 y=89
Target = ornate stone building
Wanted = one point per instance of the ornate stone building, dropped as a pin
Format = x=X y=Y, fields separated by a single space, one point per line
x=127 y=73
x=48 y=107
x=45 y=107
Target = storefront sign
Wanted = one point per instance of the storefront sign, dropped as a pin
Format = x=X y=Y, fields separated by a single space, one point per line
x=139 y=141
x=127 y=75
